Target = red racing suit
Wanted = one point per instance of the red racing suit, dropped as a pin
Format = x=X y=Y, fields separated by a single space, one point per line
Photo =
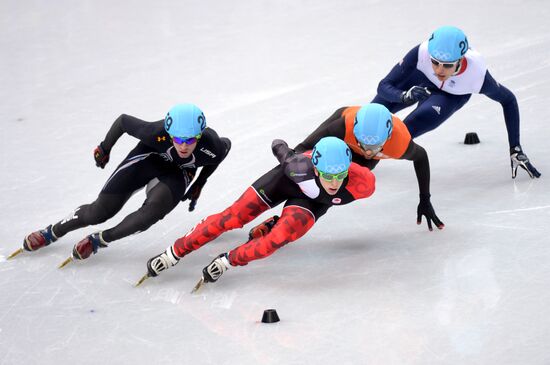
x=294 y=182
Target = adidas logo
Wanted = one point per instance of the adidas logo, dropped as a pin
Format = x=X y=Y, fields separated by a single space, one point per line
x=437 y=109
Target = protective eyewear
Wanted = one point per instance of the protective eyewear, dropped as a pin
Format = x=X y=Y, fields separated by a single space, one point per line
x=444 y=64
x=329 y=177
x=373 y=148
x=191 y=140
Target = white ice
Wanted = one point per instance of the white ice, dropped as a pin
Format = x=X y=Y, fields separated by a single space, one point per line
x=366 y=285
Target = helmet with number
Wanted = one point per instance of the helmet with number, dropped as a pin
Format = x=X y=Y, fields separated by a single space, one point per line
x=373 y=125
x=184 y=120
x=331 y=155
x=447 y=44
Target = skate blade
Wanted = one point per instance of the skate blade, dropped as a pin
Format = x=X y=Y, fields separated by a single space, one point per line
x=15 y=254
x=198 y=285
x=143 y=278
x=66 y=262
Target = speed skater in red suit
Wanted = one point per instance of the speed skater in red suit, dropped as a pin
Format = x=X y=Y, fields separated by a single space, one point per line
x=308 y=183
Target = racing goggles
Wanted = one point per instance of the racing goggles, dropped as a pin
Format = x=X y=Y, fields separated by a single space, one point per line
x=181 y=140
x=444 y=64
x=373 y=148
x=329 y=177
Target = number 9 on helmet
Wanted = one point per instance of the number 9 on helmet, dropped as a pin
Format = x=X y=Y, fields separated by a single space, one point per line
x=184 y=121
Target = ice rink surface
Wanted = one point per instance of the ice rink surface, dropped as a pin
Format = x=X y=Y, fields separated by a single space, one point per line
x=366 y=285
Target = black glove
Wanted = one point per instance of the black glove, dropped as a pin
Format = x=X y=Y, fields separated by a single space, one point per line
x=414 y=94
x=101 y=156
x=425 y=209
x=263 y=228
x=193 y=195
x=216 y=268
x=519 y=159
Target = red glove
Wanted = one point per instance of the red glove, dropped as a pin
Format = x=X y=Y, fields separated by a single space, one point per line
x=101 y=156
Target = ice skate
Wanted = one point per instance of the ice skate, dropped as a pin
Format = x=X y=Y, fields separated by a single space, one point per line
x=159 y=263
x=84 y=249
x=212 y=272
x=36 y=240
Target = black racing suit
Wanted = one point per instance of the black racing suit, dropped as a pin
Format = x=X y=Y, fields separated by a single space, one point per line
x=154 y=163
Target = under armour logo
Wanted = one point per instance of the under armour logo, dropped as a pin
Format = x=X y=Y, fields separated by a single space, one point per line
x=161 y=139
x=437 y=109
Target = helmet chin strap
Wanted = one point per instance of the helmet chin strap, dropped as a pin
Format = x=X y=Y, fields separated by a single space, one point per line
x=458 y=66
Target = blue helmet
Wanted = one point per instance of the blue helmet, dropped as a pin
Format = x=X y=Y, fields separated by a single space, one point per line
x=373 y=125
x=447 y=44
x=331 y=155
x=185 y=121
